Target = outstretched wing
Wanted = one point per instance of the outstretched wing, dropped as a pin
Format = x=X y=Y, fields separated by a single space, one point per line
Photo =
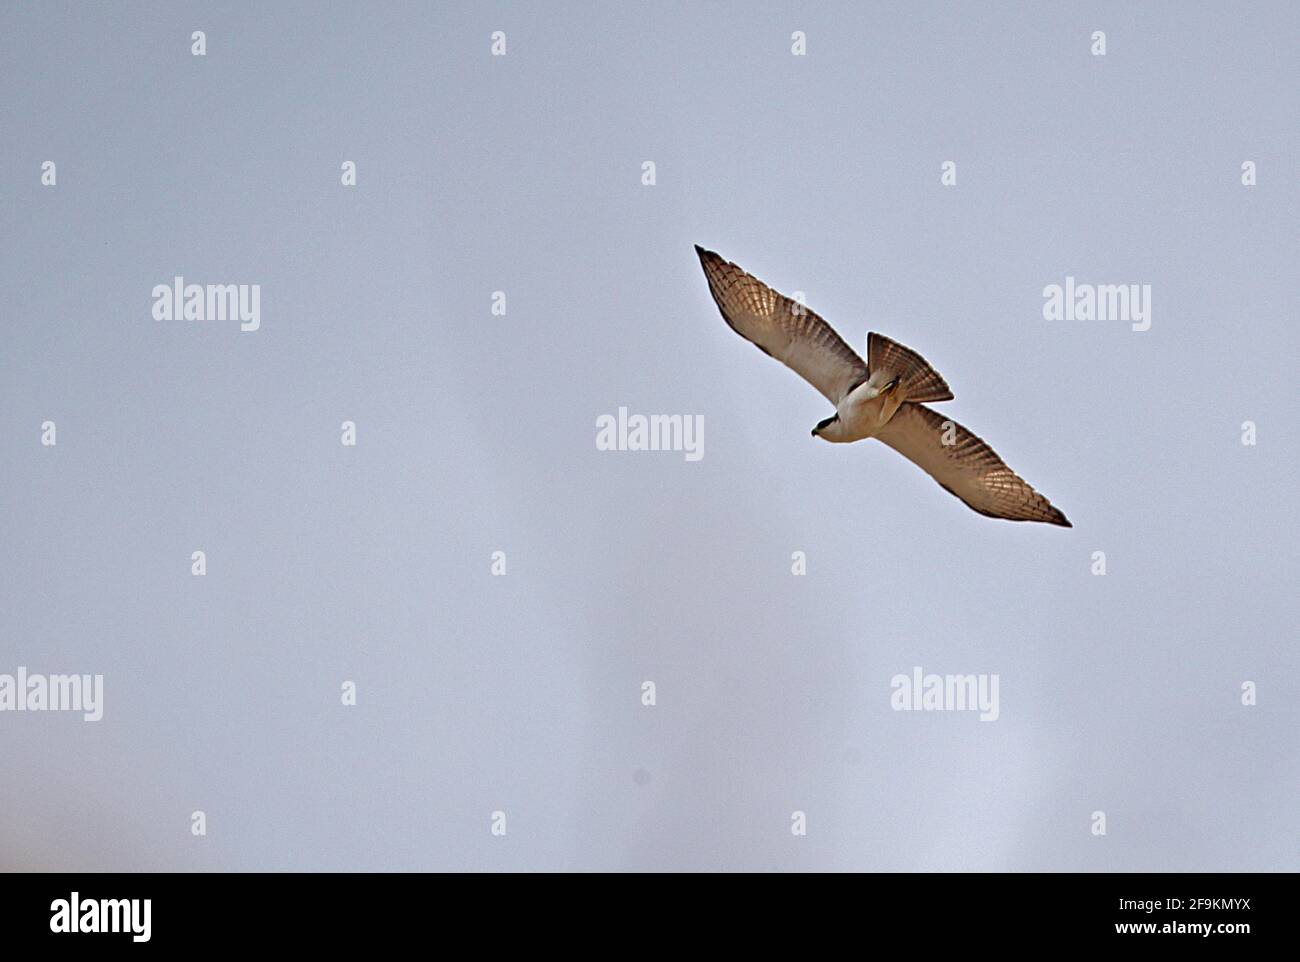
x=965 y=466
x=783 y=328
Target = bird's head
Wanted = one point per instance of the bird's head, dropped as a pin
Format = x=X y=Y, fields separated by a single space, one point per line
x=828 y=429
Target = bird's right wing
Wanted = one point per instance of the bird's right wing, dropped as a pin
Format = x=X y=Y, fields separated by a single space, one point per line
x=783 y=328
x=965 y=466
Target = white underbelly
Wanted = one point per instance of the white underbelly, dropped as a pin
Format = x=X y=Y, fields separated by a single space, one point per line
x=861 y=420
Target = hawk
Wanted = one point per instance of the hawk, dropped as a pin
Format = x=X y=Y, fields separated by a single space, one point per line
x=880 y=399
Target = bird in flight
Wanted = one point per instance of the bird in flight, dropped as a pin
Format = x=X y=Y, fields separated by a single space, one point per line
x=880 y=399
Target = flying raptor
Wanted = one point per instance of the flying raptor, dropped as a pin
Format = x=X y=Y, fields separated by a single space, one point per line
x=879 y=399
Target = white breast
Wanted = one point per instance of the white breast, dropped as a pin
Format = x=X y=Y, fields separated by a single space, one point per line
x=860 y=412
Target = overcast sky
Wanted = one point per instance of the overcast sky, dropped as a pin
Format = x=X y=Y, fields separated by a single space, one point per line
x=475 y=433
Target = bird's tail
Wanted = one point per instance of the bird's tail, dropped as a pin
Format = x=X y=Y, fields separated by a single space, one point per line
x=917 y=380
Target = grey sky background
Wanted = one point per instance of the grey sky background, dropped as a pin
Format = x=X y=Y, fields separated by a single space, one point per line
x=476 y=433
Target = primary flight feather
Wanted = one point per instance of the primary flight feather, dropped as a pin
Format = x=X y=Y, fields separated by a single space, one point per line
x=881 y=398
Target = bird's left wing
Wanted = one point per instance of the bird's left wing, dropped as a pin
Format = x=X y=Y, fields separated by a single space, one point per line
x=965 y=466
x=783 y=328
